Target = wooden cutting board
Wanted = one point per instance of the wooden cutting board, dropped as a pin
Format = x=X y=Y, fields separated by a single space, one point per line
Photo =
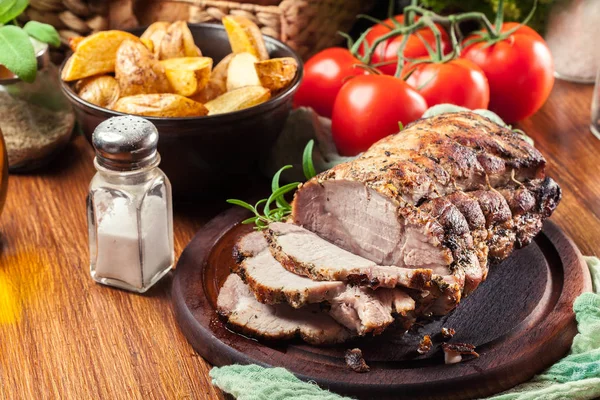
x=520 y=319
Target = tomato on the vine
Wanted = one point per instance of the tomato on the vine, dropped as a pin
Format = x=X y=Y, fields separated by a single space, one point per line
x=459 y=82
x=519 y=69
x=324 y=75
x=387 y=51
x=369 y=108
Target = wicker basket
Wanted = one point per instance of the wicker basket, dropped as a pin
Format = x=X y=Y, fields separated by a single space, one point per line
x=70 y=17
x=305 y=25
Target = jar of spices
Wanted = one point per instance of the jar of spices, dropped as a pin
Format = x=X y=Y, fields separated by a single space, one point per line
x=130 y=216
x=36 y=119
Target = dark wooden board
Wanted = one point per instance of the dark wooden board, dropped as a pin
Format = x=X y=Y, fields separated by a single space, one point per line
x=520 y=319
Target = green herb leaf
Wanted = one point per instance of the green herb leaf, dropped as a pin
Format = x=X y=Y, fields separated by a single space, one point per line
x=42 y=32
x=6 y=5
x=16 y=53
x=250 y=220
x=241 y=204
x=17 y=7
x=281 y=202
x=278 y=193
x=400 y=126
x=307 y=162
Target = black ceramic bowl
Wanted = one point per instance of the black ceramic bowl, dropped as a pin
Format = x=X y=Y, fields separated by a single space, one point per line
x=203 y=153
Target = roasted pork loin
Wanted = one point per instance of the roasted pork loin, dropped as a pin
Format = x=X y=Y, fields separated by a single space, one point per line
x=449 y=193
x=407 y=229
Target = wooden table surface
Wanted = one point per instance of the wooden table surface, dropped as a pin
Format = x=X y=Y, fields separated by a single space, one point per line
x=63 y=336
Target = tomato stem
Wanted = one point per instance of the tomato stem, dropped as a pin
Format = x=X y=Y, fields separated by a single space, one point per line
x=499 y=17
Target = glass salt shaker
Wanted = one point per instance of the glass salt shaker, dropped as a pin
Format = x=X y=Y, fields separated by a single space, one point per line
x=130 y=217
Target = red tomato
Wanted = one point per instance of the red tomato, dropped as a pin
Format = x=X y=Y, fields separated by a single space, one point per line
x=324 y=75
x=369 y=108
x=519 y=69
x=388 y=50
x=458 y=82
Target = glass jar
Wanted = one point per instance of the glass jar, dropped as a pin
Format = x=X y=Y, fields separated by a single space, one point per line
x=572 y=31
x=36 y=118
x=130 y=216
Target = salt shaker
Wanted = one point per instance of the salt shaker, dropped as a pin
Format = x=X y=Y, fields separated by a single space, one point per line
x=130 y=217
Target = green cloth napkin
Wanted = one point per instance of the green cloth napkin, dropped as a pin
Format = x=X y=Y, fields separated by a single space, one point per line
x=576 y=376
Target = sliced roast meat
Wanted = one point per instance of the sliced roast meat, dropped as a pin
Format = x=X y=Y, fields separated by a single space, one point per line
x=364 y=310
x=275 y=322
x=304 y=253
x=361 y=310
x=271 y=283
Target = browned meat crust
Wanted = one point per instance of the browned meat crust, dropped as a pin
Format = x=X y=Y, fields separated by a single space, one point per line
x=355 y=361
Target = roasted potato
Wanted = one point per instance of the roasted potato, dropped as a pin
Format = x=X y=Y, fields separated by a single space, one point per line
x=102 y=90
x=95 y=55
x=187 y=75
x=155 y=34
x=238 y=99
x=241 y=72
x=74 y=42
x=149 y=44
x=138 y=71
x=245 y=36
x=178 y=42
x=276 y=73
x=217 y=84
x=160 y=105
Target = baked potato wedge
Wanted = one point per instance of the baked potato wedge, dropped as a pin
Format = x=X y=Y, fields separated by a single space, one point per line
x=160 y=105
x=149 y=44
x=245 y=36
x=187 y=75
x=102 y=90
x=238 y=99
x=138 y=71
x=74 y=42
x=155 y=33
x=277 y=73
x=217 y=84
x=95 y=55
x=178 y=42
x=241 y=71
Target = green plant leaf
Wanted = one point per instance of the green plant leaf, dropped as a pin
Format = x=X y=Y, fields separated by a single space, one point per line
x=307 y=161
x=6 y=5
x=14 y=11
x=281 y=202
x=16 y=53
x=42 y=32
x=241 y=204
x=278 y=193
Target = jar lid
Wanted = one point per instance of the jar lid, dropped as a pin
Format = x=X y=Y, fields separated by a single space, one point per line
x=41 y=54
x=125 y=143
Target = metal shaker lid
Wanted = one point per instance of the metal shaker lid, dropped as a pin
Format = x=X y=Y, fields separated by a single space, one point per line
x=125 y=143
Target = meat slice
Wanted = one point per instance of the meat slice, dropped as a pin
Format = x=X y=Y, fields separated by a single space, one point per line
x=304 y=253
x=364 y=310
x=275 y=322
x=271 y=283
x=361 y=310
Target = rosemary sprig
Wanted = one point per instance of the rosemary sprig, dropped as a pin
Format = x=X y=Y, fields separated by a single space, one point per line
x=276 y=207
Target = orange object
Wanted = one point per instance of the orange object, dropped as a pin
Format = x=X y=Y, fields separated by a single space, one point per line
x=3 y=172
